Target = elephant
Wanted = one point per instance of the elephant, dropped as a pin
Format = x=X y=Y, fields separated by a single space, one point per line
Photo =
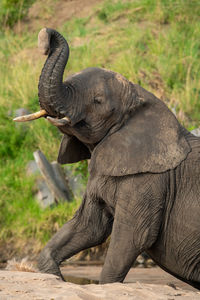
x=144 y=172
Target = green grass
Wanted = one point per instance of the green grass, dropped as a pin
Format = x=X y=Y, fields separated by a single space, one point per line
x=153 y=43
x=11 y=11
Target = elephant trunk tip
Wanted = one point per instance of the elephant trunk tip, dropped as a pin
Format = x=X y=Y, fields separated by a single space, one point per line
x=44 y=41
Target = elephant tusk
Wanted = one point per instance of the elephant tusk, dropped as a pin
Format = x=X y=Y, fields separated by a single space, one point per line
x=31 y=117
x=59 y=122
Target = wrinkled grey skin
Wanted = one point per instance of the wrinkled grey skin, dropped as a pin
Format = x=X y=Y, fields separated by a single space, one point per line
x=144 y=184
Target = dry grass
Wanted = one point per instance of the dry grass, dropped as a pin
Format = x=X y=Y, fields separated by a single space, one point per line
x=24 y=265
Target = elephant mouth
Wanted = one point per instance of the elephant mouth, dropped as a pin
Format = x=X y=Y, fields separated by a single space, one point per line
x=40 y=114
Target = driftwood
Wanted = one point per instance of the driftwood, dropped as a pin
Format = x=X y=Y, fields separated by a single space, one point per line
x=54 y=177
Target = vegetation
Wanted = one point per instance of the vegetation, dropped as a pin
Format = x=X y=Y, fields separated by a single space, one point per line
x=153 y=43
x=12 y=11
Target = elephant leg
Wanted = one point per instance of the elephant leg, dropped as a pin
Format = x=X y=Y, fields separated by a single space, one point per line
x=120 y=256
x=131 y=235
x=90 y=226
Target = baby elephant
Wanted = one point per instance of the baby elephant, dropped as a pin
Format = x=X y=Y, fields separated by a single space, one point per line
x=144 y=183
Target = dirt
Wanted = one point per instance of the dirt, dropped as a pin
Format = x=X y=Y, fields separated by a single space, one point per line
x=55 y=13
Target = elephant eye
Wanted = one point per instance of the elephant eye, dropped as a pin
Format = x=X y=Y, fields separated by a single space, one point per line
x=97 y=100
x=80 y=124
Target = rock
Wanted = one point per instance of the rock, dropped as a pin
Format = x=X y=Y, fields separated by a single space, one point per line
x=140 y=259
x=75 y=182
x=149 y=263
x=196 y=131
x=144 y=261
x=32 y=168
x=21 y=112
x=44 y=196
x=25 y=285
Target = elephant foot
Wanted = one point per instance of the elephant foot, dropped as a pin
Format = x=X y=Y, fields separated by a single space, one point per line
x=46 y=264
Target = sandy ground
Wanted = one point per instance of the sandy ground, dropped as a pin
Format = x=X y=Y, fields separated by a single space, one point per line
x=27 y=285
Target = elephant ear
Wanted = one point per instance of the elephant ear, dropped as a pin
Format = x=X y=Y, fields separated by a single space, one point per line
x=72 y=150
x=151 y=140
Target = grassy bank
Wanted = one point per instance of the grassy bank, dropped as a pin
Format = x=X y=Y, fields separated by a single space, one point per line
x=153 y=43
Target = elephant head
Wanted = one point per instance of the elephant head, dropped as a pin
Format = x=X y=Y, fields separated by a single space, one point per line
x=122 y=127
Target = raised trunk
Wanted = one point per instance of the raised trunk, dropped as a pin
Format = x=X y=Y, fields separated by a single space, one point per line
x=51 y=91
